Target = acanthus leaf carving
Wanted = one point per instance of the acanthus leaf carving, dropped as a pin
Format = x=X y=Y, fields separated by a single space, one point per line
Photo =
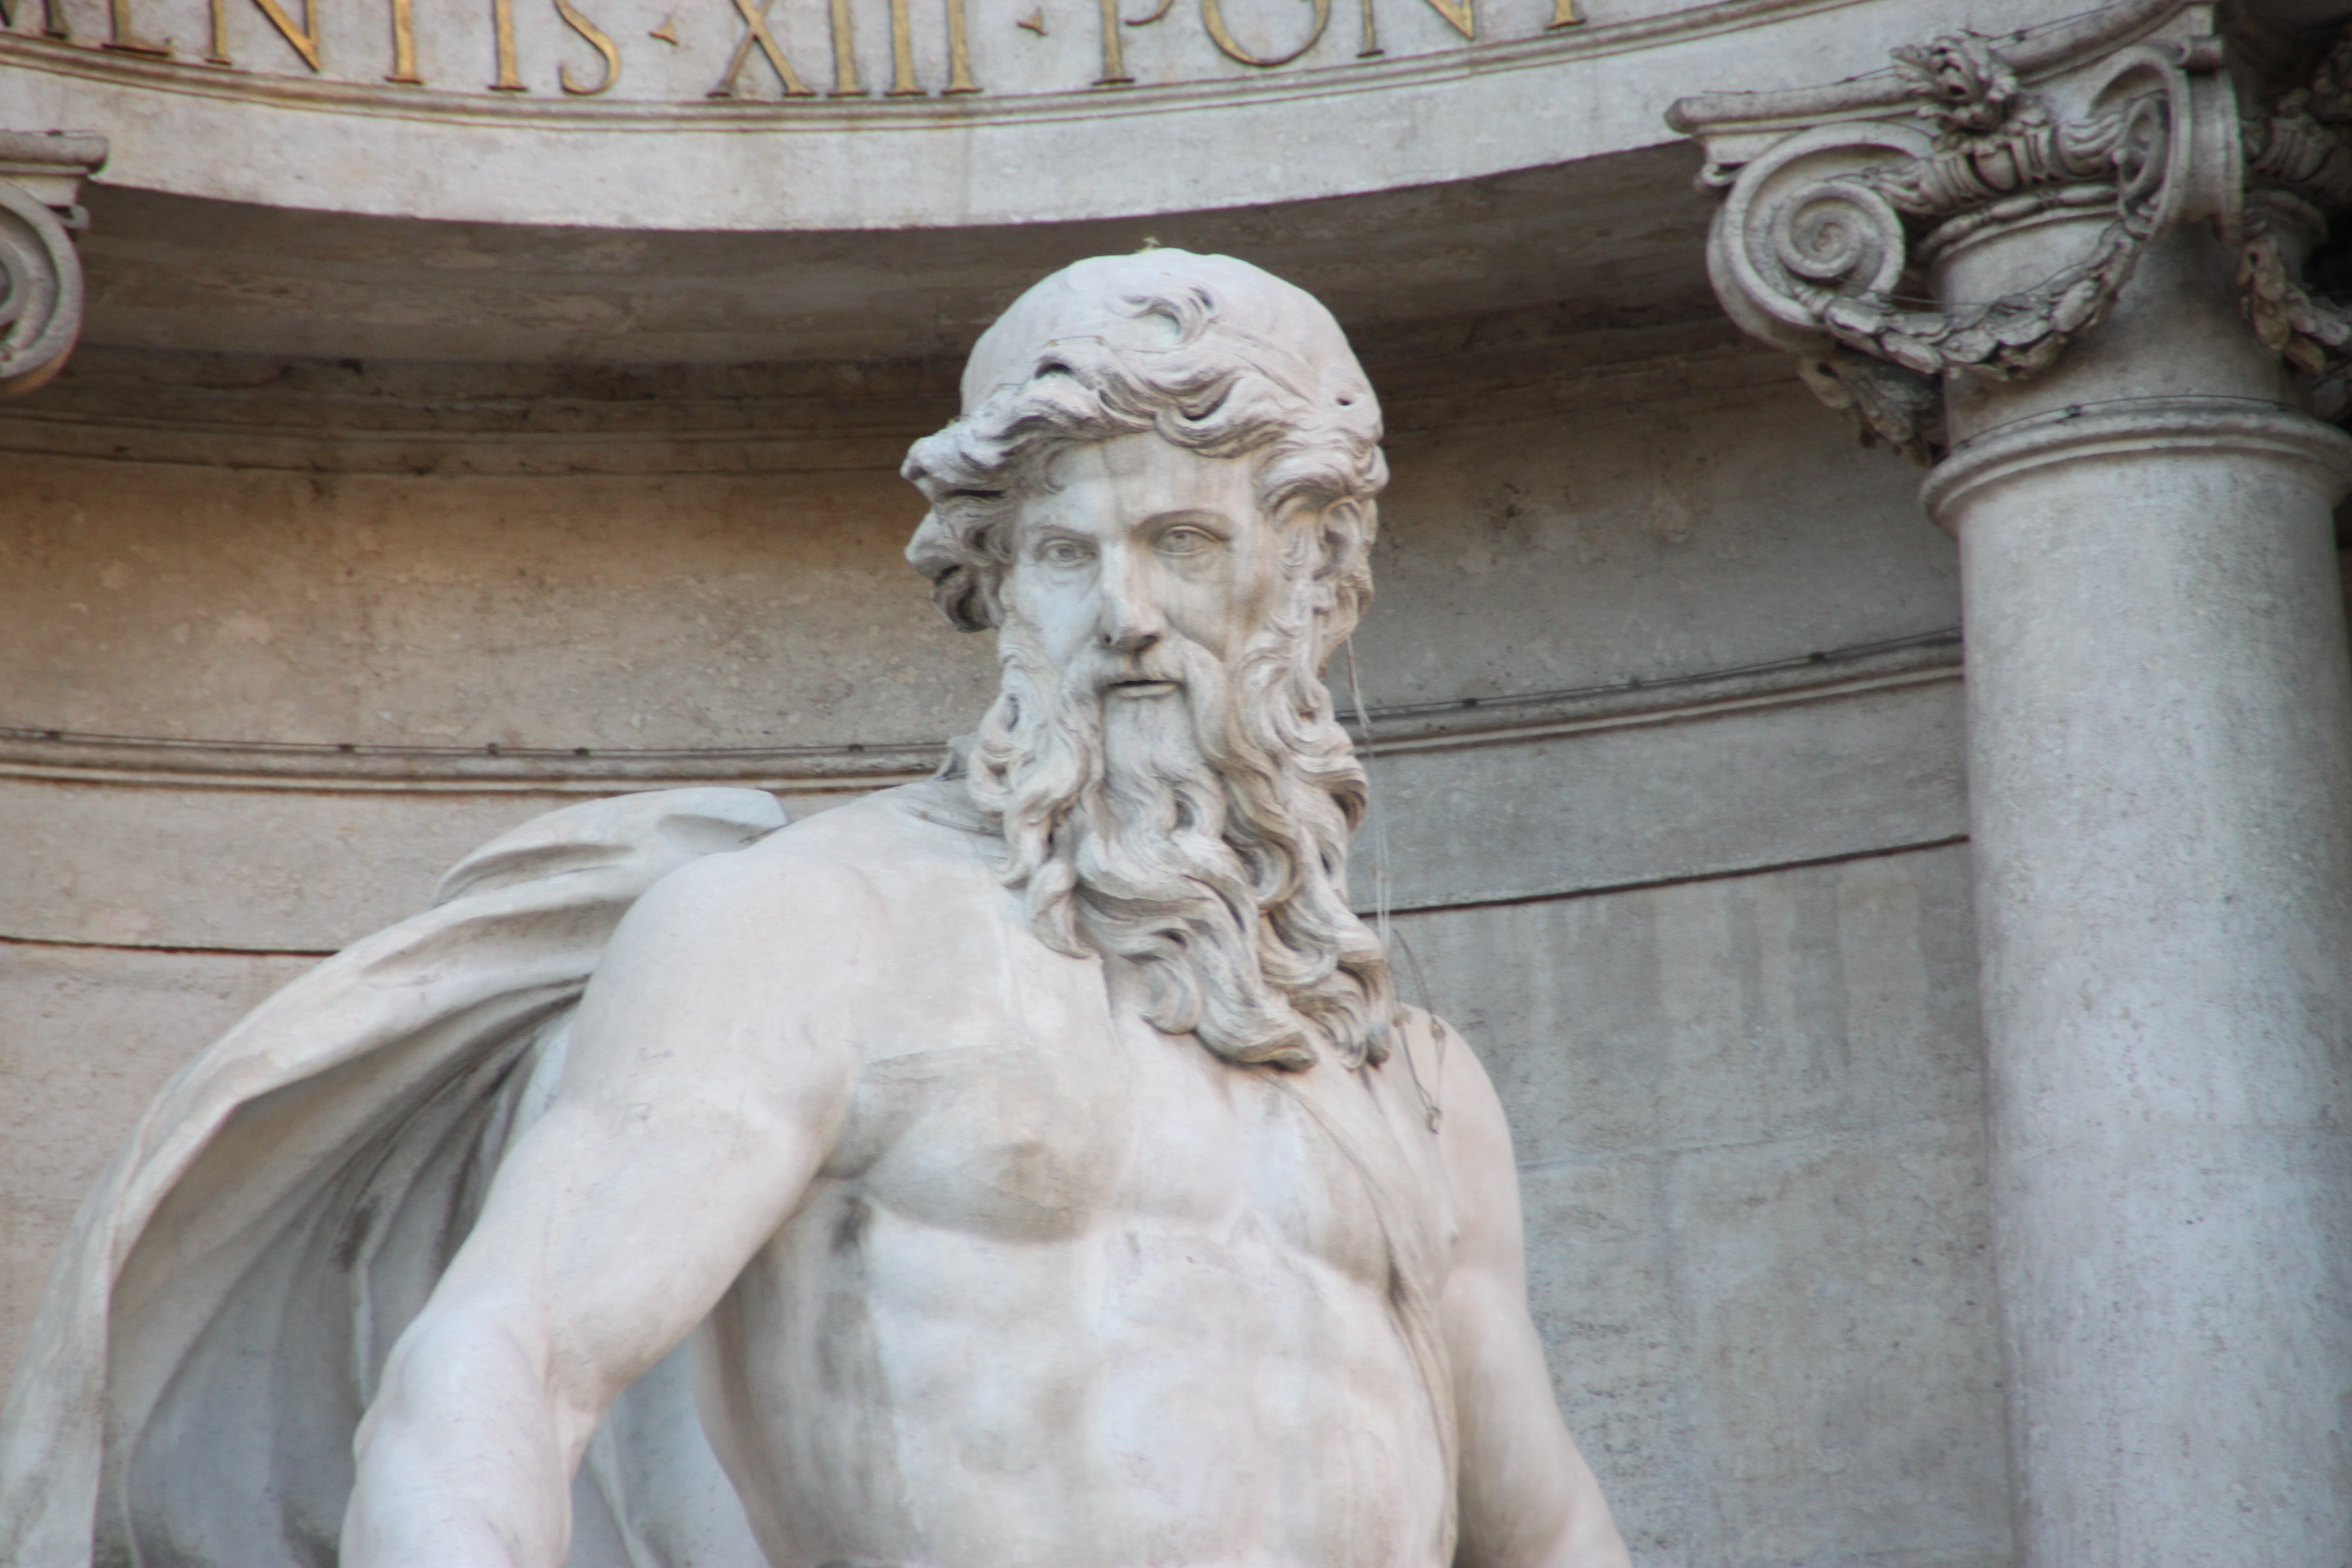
x=1899 y=407
x=1825 y=239
x=2299 y=175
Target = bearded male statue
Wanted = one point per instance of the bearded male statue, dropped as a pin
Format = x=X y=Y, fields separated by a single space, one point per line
x=1029 y=1168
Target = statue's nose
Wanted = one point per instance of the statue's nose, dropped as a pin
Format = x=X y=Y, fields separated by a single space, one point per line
x=1131 y=618
x=1129 y=637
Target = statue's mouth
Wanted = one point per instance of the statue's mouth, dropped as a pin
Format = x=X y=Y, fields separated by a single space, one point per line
x=1141 y=688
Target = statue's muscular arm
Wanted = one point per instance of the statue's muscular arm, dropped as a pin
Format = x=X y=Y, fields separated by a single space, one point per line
x=704 y=1081
x=1528 y=1500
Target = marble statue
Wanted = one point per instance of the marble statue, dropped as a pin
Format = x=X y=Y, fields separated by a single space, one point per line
x=1029 y=1168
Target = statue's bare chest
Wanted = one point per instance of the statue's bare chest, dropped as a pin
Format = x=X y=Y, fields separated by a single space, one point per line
x=1058 y=1261
x=1051 y=1113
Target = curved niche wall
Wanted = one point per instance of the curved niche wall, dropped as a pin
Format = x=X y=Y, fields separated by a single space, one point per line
x=483 y=406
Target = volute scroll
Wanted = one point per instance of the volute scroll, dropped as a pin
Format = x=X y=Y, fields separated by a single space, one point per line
x=40 y=271
x=1825 y=241
x=1832 y=239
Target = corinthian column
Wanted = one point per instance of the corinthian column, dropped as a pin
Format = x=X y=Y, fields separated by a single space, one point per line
x=2064 y=267
x=40 y=275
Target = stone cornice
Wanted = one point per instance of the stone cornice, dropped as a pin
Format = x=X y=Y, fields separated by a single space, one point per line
x=306 y=415
x=818 y=164
x=64 y=757
x=1736 y=126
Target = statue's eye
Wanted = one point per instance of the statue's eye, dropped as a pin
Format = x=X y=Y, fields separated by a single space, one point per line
x=1063 y=552
x=1186 y=540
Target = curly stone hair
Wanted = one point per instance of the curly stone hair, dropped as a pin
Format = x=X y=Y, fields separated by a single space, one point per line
x=1173 y=361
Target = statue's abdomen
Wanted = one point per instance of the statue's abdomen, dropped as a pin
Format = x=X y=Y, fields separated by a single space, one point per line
x=1107 y=1304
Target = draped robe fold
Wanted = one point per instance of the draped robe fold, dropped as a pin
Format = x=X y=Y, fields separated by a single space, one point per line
x=221 y=1311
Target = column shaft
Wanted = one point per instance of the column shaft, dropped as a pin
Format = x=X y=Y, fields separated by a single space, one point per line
x=2160 y=776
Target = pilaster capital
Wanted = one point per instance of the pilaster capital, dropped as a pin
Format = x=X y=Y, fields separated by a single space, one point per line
x=1841 y=201
x=40 y=273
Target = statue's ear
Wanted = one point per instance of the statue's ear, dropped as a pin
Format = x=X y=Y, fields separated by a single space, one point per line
x=987 y=600
x=966 y=596
x=1341 y=527
x=1345 y=531
x=967 y=581
x=1340 y=585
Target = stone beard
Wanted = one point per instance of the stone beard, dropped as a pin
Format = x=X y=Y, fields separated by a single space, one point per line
x=984 y=1264
x=1201 y=835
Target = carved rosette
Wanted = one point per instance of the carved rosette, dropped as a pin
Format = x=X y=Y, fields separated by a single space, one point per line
x=40 y=273
x=1830 y=234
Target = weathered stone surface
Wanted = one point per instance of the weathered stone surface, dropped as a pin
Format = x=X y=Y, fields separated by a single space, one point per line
x=2159 y=718
x=692 y=609
x=1747 y=1092
x=1750 y=1120
x=1570 y=511
x=1075 y=1052
x=87 y=1037
x=1526 y=97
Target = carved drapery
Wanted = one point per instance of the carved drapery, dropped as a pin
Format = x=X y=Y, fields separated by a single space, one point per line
x=40 y=273
x=1830 y=231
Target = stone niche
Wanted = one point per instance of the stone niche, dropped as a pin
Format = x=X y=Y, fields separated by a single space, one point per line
x=461 y=447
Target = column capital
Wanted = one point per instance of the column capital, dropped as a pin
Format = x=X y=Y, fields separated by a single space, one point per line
x=40 y=273
x=1843 y=202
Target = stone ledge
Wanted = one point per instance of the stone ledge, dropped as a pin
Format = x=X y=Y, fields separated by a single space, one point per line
x=321 y=417
x=63 y=756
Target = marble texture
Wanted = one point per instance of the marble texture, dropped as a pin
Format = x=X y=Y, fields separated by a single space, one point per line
x=41 y=291
x=2159 y=714
x=1522 y=102
x=1566 y=512
x=1040 y=1208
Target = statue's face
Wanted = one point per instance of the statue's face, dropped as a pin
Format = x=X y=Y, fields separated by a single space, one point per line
x=1140 y=543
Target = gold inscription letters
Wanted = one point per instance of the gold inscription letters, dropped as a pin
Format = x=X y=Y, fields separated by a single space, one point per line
x=305 y=38
x=53 y=18
x=297 y=23
x=959 y=51
x=404 y=44
x=1213 y=16
x=902 y=53
x=755 y=31
x=1114 y=67
x=502 y=23
x=597 y=41
x=123 y=37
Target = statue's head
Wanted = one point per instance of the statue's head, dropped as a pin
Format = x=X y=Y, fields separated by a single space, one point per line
x=1161 y=494
x=1206 y=355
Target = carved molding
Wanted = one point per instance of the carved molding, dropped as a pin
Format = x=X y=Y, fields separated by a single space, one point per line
x=1829 y=231
x=40 y=273
x=62 y=756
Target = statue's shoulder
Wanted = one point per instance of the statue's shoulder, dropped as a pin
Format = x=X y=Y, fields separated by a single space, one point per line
x=901 y=850
x=1439 y=1053
x=890 y=833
